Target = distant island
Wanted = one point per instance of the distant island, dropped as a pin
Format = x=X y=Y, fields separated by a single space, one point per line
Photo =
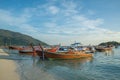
x=14 y=38
x=113 y=43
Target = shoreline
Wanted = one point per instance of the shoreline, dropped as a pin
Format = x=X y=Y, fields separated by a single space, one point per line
x=8 y=69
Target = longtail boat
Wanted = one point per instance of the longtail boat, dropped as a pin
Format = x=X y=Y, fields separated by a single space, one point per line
x=15 y=48
x=52 y=49
x=65 y=55
x=28 y=52
x=54 y=54
x=103 y=49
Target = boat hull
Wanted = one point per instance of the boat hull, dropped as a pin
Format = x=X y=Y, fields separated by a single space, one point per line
x=103 y=49
x=15 y=48
x=26 y=52
x=66 y=55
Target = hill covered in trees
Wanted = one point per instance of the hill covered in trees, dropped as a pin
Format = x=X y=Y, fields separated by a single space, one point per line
x=114 y=43
x=14 y=38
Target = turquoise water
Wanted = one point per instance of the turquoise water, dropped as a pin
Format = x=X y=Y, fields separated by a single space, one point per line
x=103 y=66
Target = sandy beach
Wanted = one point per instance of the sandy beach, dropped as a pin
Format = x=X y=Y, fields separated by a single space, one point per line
x=8 y=69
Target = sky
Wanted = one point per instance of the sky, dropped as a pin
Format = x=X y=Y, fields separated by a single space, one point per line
x=63 y=21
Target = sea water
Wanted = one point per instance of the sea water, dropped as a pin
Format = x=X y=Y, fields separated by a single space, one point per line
x=103 y=66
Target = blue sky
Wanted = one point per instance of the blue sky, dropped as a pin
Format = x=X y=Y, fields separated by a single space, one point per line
x=63 y=21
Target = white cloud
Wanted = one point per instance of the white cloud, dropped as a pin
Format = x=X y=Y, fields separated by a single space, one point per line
x=16 y=22
x=9 y=18
x=53 y=9
x=65 y=24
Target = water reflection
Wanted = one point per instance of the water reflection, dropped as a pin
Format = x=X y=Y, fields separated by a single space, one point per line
x=103 y=64
x=74 y=64
x=36 y=69
x=109 y=53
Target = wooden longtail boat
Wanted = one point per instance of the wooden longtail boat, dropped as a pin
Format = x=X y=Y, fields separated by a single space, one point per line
x=27 y=52
x=62 y=55
x=65 y=55
x=103 y=49
x=52 y=49
x=30 y=52
x=15 y=48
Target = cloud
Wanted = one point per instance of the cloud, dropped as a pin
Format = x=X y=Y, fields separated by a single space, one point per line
x=53 y=9
x=55 y=23
x=8 y=18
